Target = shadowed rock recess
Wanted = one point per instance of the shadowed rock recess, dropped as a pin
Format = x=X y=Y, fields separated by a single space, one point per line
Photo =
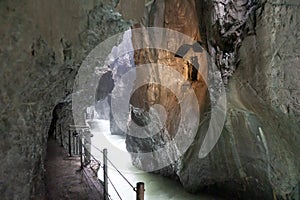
x=254 y=43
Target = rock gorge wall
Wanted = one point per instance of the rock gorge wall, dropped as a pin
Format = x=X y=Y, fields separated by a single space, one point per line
x=180 y=16
x=255 y=45
x=42 y=44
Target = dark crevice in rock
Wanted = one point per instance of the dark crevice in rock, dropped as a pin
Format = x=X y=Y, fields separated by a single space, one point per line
x=223 y=25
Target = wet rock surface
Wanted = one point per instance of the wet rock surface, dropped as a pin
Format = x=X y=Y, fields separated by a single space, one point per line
x=257 y=155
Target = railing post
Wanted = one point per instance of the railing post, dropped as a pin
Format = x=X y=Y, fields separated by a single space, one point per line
x=73 y=142
x=70 y=150
x=87 y=143
x=61 y=136
x=140 y=190
x=105 y=174
x=80 y=151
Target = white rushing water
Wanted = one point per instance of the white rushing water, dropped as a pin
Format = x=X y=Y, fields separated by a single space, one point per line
x=156 y=187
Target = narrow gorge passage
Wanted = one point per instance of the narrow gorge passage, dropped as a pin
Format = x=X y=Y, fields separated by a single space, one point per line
x=201 y=96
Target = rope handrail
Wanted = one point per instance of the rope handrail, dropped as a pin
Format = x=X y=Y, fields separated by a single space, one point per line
x=95 y=147
x=114 y=188
x=112 y=165
x=121 y=174
x=86 y=151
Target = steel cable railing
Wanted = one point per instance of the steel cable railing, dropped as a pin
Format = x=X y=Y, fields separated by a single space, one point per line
x=114 y=166
x=87 y=158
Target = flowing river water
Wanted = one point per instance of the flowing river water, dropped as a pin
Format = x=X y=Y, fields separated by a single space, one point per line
x=156 y=187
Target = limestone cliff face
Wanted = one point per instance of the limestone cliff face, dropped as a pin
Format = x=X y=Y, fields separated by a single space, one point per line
x=42 y=44
x=255 y=45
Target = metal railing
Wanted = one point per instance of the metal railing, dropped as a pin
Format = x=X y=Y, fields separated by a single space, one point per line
x=79 y=144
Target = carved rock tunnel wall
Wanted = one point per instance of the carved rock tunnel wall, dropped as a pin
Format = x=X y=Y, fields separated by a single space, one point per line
x=42 y=44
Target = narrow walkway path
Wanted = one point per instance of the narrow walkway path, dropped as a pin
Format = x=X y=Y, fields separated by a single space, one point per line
x=65 y=180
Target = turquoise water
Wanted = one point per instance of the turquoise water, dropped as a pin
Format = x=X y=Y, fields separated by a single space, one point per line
x=156 y=187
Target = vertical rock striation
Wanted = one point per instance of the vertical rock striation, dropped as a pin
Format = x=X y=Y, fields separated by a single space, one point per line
x=179 y=16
